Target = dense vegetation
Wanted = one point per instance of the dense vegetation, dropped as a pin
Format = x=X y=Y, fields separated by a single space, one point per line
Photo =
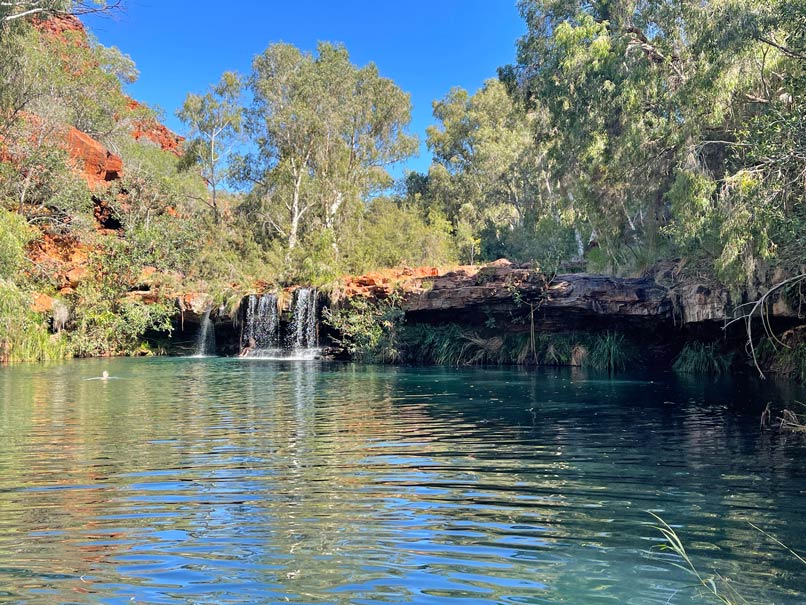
x=626 y=132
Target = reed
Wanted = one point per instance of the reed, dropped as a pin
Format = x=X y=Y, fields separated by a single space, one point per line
x=609 y=351
x=700 y=358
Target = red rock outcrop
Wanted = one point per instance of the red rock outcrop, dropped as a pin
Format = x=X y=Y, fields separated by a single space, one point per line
x=63 y=27
x=381 y=284
x=97 y=164
x=64 y=258
x=155 y=132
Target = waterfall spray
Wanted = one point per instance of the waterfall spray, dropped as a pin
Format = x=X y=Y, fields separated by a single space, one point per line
x=205 y=339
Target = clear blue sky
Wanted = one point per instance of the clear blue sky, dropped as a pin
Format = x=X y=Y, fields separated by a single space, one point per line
x=425 y=46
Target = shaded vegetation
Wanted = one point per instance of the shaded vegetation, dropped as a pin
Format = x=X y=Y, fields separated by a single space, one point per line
x=700 y=358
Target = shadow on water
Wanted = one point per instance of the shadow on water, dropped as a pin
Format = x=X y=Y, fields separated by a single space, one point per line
x=219 y=480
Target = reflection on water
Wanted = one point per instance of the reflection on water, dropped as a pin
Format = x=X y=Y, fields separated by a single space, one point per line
x=218 y=481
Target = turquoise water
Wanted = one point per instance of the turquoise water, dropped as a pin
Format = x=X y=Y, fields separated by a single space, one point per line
x=250 y=481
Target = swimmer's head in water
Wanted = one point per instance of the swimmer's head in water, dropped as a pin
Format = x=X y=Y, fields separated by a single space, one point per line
x=104 y=374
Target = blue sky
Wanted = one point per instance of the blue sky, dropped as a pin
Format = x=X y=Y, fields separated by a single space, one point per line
x=426 y=47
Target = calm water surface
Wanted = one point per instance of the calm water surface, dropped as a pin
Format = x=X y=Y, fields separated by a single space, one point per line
x=244 y=481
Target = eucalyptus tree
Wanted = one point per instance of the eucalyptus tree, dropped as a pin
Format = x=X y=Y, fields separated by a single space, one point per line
x=215 y=120
x=324 y=132
x=490 y=177
x=660 y=121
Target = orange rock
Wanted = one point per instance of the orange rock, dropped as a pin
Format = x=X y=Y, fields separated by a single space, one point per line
x=155 y=132
x=62 y=27
x=76 y=275
x=147 y=272
x=197 y=302
x=147 y=297
x=97 y=164
x=42 y=303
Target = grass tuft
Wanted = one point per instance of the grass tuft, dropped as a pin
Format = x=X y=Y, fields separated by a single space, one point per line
x=700 y=358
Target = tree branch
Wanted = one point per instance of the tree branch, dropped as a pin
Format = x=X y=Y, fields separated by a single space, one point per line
x=787 y=51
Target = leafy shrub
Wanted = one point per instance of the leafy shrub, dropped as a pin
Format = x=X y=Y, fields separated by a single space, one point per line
x=103 y=327
x=367 y=329
x=24 y=335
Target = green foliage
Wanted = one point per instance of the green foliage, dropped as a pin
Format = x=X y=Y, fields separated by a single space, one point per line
x=444 y=344
x=609 y=351
x=784 y=358
x=325 y=131
x=678 y=121
x=488 y=178
x=215 y=120
x=103 y=326
x=392 y=235
x=109 y=319
x=453 y=344
x=701 y=358
x=66 y=80
x=39 y=183
x=23 y=334
x=156 y=192
x=14 y=236
x=368 y=330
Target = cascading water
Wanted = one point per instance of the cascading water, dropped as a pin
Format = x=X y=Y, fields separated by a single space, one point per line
x=262 y=322
x=205 y=339
x=262 y=338
x=262 y=326
x=303 y=322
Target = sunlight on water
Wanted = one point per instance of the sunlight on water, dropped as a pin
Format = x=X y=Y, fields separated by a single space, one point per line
x=222 y=481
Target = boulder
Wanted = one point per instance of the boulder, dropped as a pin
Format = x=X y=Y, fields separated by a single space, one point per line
x=42 y=303
x=96 y=163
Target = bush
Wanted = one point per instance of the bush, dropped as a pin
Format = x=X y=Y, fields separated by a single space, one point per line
x=367 y=329
x=24 y=335
x=103 y=327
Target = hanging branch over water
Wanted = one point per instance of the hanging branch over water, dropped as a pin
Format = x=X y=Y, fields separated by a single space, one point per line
x=759 y=308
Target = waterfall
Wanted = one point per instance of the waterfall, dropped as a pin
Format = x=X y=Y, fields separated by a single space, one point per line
x=205 y=339
x=265 y=336
x=303 y=321
x=262 y=322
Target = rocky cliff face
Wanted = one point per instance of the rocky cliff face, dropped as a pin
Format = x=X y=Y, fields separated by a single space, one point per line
x=471 y=294
x=65 y=257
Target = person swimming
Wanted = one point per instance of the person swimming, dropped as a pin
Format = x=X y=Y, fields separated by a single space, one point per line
x=251 y=345
x=104 y=377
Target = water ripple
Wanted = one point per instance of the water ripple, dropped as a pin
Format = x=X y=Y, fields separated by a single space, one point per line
x=218 y=481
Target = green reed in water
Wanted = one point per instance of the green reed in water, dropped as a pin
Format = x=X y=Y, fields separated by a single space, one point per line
x=715 y=586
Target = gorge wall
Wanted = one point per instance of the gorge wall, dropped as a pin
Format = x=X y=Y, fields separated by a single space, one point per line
x=660 y=311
